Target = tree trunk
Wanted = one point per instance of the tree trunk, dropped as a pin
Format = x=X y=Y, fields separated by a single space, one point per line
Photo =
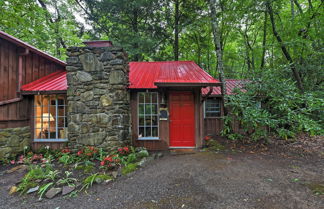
x=298 y=7
x=218 y=48
x=176 y=30
x=135 y=29
x=284 y=48
x=292 y=7
x=264 y=41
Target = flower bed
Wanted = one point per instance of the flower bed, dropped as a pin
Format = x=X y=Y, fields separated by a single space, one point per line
x=69 y=172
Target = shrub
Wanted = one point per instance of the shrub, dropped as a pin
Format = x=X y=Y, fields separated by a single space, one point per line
x=272 y=105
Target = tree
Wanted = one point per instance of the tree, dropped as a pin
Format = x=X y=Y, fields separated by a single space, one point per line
x=218 y=47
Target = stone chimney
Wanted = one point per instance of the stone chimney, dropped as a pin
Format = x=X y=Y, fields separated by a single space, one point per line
x=98 y=100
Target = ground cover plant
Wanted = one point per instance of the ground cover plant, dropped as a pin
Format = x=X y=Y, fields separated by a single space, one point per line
x=68 y=172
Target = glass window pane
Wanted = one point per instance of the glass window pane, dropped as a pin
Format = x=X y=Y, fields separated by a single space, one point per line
x=141 y=132
x=141 y=121
x=141 y=109
x=148 y=109
x=141 y=97
x=62 y=133
x=154 y=98
x=148 y=121
x=155 y=131
x=147 y=97
x=154 y=120
x=148 y=131
x=154 y=109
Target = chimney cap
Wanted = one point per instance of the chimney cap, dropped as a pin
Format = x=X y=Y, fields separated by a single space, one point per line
x=98 y=43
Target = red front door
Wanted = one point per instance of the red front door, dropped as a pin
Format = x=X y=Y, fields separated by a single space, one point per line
x=182 y=119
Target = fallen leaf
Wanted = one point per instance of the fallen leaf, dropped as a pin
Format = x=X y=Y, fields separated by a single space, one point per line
x=13 y=189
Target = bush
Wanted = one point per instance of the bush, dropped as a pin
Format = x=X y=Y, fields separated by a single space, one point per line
x=273 y=106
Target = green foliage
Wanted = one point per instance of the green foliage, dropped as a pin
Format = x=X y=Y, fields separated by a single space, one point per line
x=44 y=188
x=129 y=168
x=67 y=159
x=35 y=173
x=67 y=180
x=94 y=178
x=272 y=105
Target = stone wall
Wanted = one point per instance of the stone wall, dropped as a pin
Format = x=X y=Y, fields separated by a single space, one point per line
x=98 y=100
x=13 y=141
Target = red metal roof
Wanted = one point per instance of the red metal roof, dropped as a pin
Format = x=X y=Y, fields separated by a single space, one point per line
x=148 y=75
x=142 y=75
x=31 y=48
x=52 y=82
x=230 y=85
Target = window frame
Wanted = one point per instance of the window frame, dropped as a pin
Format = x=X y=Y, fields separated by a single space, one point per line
x=57 y=106
x=157 y=115
x=220 y=107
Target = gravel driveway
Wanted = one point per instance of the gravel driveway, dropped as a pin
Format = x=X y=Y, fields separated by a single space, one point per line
x=200 y=180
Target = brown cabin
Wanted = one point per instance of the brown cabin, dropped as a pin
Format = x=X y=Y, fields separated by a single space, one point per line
x=173 y=104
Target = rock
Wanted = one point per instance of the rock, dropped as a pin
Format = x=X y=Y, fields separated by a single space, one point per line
x=31 y=190
x=159 y=154
x=114 y=174
x=90 y=62
x=83 y=76
x=12 y=190
x=116 y=62
x=117 y=77
x=53 y=192
x=87 y=96
x=67 y=189
x=92 y=139
x=105 y=100
x=106 y=56
x=19 y=168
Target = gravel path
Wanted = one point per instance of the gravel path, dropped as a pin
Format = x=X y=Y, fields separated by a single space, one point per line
x=200 y=180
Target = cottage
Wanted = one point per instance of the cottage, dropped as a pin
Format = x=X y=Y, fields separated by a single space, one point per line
x=99 y=98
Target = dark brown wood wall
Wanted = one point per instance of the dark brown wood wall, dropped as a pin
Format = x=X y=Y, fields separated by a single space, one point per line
x=34 y=66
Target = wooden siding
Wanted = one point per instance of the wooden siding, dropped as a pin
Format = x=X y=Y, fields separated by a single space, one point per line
x=34 y=66
x=213 y=126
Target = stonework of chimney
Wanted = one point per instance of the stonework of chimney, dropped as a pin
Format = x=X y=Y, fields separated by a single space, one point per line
x=98 y=100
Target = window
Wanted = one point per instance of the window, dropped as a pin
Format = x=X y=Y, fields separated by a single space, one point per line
x=50 y=118
x=212 y=108
x=148 y=122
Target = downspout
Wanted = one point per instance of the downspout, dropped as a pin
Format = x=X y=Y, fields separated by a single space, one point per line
x=19 y=83
x=208 y=94
x=20 y=66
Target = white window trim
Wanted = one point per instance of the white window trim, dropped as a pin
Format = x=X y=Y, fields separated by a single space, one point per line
x=220 y=110
x=56 y=123
x=158 y=122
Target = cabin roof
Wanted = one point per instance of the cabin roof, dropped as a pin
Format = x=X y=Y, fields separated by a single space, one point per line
x=53 y=82
x=20 y=43
x=231 y=84
x=150 y=75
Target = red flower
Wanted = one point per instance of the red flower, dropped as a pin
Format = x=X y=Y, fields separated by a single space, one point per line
x=79 y=153
x=120 y=149
x=126 y=149
x=108 y=159
x=102 y=163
